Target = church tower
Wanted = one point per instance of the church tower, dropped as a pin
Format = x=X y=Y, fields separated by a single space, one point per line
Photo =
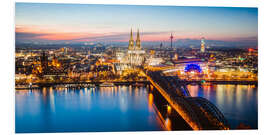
x=138 y=41
x=135 y=55
x=131 y=42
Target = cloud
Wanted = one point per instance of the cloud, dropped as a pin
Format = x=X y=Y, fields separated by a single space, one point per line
x=244 y=39
x=234 y=42
x=117 y=37
x=104 y=37
x=26 y=35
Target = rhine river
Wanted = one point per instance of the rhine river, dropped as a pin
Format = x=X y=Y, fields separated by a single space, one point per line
x=120 y=108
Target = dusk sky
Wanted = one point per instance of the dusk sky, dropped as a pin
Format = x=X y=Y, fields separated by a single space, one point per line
x=112 y=23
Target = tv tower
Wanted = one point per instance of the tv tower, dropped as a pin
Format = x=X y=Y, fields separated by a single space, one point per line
x=171 y=37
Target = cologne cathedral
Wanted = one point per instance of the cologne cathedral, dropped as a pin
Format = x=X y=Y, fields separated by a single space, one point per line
x=135 y=52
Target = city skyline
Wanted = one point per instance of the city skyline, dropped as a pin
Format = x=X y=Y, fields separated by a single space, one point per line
x=107 y=68
x=109 y=23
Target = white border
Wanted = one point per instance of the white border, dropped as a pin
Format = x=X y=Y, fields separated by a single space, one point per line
x=7 y=98
x=230 y=3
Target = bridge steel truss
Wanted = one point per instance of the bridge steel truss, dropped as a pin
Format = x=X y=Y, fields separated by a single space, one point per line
x=198 y=112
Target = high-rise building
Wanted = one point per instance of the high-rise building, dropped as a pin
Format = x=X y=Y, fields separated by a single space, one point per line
x=44 y=62
x=160 y=46
x=202 y=45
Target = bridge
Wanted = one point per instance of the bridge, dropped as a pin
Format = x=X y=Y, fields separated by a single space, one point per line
x=198 y=112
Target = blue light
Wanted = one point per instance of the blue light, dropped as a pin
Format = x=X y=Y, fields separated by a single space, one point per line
x=193 y=67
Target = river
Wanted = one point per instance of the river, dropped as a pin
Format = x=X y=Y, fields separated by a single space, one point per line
x=120 y=108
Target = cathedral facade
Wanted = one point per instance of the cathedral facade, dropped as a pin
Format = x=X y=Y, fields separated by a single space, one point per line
x=135 y=54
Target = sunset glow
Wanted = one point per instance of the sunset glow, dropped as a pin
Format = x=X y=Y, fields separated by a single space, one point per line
x=111 y=23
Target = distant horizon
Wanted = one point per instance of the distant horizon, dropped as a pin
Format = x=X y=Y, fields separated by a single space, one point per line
x=91 y=24
x=176 y=43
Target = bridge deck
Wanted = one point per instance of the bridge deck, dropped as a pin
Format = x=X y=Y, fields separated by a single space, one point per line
x=199 y=113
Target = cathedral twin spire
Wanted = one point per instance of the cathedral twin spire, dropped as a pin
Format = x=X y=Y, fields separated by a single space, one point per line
x=131 y=45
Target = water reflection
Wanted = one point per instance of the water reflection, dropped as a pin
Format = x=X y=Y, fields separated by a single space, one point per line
x=123 y=108
x=150 y=102
x=238 y=103
x=119 y=108
x=168 y=123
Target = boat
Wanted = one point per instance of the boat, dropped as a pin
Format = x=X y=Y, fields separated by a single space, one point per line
x=106 y=84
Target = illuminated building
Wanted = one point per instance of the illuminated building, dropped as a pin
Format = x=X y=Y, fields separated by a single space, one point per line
x=135 y=52
x=202 y=45
x=55 y=62
x=175 y=56
x=154 y=61
x=134 y=56
x=119 y=55
x=44 y=62
x=197 y=65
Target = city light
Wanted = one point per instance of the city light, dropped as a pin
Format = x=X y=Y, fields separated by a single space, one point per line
x=175 y=79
